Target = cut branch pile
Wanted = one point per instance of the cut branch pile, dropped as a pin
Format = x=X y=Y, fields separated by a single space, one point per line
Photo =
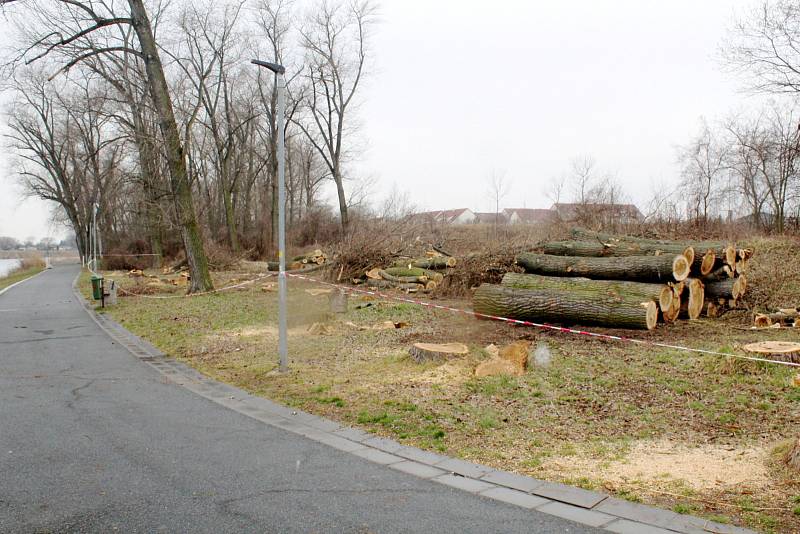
x=619 y=281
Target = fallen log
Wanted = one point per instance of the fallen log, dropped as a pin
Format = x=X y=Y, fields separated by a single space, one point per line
x=639 y=268
x=600 y=249
x=728 y=288
x=726 y=252
x=437 y=262
x=403 y=279
x=564 y=307
x=787 y=317
x=388 y=284
x=415 y=271
x=618 y=288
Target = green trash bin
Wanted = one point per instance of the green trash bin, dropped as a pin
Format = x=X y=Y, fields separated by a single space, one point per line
x=97 y=287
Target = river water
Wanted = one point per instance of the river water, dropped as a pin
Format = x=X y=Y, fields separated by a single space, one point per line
x=6 y=266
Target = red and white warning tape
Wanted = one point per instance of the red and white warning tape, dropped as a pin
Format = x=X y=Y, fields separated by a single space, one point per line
x=541 y=325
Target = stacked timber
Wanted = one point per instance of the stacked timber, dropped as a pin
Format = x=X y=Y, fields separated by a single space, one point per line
x=411 y=275
x=619 y=281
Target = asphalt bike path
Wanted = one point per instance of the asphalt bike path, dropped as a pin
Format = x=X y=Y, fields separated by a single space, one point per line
x=93 y=440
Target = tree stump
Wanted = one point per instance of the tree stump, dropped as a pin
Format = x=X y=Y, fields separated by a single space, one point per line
x=427 y=352
x=784 y=351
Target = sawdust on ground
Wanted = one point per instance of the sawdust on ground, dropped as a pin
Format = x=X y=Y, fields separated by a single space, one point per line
x=662 y=462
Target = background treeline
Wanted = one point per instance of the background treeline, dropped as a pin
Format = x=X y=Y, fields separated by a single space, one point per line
x=153 y=113
x=150 y=113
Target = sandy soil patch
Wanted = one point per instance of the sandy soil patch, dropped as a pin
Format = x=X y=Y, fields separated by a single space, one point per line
x=702 y=467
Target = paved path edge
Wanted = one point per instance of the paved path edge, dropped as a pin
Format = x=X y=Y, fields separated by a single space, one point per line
x=568 y=502
x=15 y=284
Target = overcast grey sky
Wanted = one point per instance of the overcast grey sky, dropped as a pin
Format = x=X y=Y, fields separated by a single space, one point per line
x=464 y=87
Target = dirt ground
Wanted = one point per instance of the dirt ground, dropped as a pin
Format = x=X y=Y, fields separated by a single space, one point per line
x=695 y=433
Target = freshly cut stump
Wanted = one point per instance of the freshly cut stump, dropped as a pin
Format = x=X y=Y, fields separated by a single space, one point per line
x=785 y=351
x=435 y=352
x=565 y=307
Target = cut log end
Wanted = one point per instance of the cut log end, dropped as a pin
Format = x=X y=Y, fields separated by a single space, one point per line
x=730 y=256
x=707 y=265
x=652 y=314
x=665 y=299
x=681 y=267
x=426 y=352
x=696 y=299
x=688 y=253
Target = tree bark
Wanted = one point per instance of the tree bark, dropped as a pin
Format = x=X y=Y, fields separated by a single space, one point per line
x=639 y=268
x=619 y=289
x=564 y=307
x=600 y=249
x=181 y=189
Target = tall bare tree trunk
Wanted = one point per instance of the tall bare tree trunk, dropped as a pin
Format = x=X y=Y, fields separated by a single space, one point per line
x=337 y=176
x=181 y=189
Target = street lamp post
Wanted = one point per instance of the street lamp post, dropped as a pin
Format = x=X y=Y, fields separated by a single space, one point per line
x=280 y=81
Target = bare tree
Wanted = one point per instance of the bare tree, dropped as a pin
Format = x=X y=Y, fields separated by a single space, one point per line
x=498 y=186
x=704 y=167
x=335 y=37
x=69 y=32
x=766 y=46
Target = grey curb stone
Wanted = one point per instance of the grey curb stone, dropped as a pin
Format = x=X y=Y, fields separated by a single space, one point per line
x=640 y=513
x=576 y=513
x=417 y=469
x=353 y=434
x=467 y=469
x=463 y=483
x=569 y=494
x=379 y=457
x=340 y=443
x=623 y=526
x=418 y=455
x=512 y=480
x=383 y=444
x=518 y=498
x=575 y=504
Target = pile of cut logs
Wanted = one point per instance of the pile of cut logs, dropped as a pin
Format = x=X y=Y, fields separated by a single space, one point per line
x=619 y=281
x=409 y=275
x=311 y=261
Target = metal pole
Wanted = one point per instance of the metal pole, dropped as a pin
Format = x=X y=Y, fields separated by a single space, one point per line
x=94 y=239
x=283 y=349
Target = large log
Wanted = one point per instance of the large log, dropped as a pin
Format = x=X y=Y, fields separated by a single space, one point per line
x=414 y=271
x=726 y=252
x=639 y=268
x=438 y=262
x=388 y=284
x=727 y=288
x=600 y=249
x=548 y=305
x=616 y=288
